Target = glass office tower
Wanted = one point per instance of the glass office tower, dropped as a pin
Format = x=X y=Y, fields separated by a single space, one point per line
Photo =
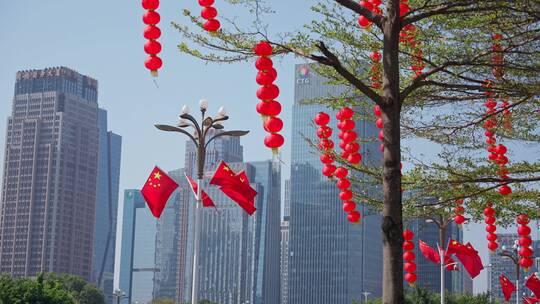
x=330 y=259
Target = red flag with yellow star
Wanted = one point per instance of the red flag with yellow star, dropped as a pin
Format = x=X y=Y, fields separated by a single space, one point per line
x=507 y=287
x=206 y=200
x=533 y=283
x=235 y=186
x=157 y=190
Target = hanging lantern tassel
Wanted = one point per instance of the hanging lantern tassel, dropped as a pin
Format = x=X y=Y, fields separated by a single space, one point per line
x=269 y=108
x=408 y=257
x=151 y=18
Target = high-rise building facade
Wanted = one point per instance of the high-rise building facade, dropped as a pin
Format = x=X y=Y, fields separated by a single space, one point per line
x=499 y=264
x=284 y=263
x=330 y=259
x=136 y=253
x=50 y=171
x=110 y=146
x=429 y=275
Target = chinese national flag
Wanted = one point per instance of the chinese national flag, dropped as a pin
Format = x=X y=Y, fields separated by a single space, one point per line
x=530 y=300
x=206 y=200
x=157 y=189
x=507 y=287
x=235 y=186
x=468 y=257
x=449 y=263
x=533 y=283
x=428 y=252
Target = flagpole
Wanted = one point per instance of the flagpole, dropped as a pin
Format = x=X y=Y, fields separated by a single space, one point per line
x=196 y=242
x=441 y=258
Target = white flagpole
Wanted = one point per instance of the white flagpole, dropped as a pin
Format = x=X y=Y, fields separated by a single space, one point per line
x=195 y=278
x=441 y=257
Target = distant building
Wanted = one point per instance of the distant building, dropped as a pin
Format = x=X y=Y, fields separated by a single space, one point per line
x=110 y=145
x=503 y=265
x=287 y=199
x=48 y=203
x=330 y=259
x=137 y=251
x=284 y=264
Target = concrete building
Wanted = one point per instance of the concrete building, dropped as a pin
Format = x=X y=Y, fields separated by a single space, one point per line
x=339 y=261
x=110 y=146
x=284 y=263
x=137 y=251
x=48 y=203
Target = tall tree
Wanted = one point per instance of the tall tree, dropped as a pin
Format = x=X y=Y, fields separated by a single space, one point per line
x=440 y=101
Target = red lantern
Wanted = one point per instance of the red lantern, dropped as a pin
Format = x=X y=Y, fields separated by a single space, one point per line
x=346 y=113
x=269 y=108
x=341 y=172
x=410 y=278
x=353 y=217
x=408 y=245
x=209 y=13
x=263 y=48
x=343 y=184
x=268 y=92
x=346 y=125
x=152 y=47
x=501 y=149
x=349 y=206
x=490 y=220
x=151 y=18
x=274 y=124
x=328 y=170
x=327 y=158
x=375 y=56
x=409 y=267
x=377 y=111
x=492 y=237
x=523 y=219
x=409 y=256
x=326 y=144
x=525 y=241
x=491 y=228
x=322 y=119
x=493 y=246
x=524 y=230
x=352 y=147
x=274 y=141
x=526 y=252
x=345 y=195
x=153 y=63
x=150 y=4
x=363 y=21
x=408 y=235
x=212 y=25
x=459 y=219
x=263 y=63
x=349 y=136
x=505 y=190
x=526 y=263
x=206 y=2
x=355 y=158
x=324 y=132
x=152 y=32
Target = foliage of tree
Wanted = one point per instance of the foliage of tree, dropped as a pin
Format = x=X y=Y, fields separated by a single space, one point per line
x=443 y=105
x=48 y=289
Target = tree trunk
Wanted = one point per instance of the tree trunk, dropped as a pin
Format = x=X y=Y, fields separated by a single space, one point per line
x=392 y=225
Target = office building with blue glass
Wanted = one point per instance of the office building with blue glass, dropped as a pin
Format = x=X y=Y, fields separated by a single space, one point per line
x=330 y=259
x=108 y=178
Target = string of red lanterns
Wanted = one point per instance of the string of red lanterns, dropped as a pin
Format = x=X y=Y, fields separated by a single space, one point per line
x=326 y=145
x=269 y=108
x=374 y=7
x=408 y=257
x=152 y=47
x=458 y=212
x=348 y=144
x=209 y=13
x=489 y=219
x=525 y=242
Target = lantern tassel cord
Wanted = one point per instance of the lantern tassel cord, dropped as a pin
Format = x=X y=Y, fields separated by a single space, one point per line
x=155 y=83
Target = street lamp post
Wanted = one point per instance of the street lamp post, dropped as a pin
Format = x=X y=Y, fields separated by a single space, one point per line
x=201 y=130
x=513 y=256
x=119 y=295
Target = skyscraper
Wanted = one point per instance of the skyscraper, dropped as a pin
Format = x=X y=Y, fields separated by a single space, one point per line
x=284 y=263
x=504 y=265
x=50 y=171
x=110 y=145
x=136 y=254
x=339 y=261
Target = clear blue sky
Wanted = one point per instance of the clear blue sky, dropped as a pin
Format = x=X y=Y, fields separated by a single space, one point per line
x=103 y=39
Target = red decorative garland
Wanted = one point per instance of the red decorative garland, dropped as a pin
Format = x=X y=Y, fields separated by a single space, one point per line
x=209 y=13
x=408 y=256
x=458 y=212
x=350 y=148
x=324 y=132
x=525 y=242
x=269 y=108
x=489 y=219
x=151 y=18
